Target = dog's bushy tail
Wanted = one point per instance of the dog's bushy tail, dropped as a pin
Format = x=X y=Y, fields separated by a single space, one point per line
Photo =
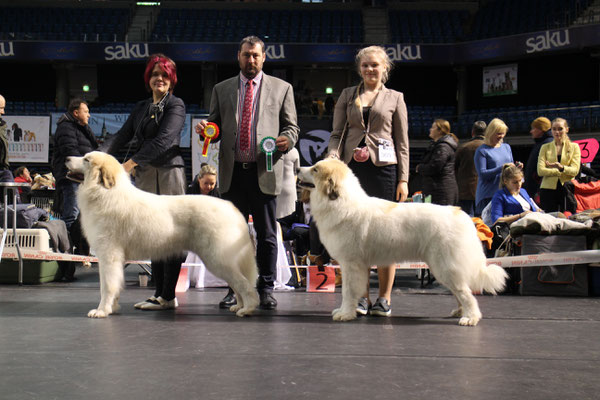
x=491 y=278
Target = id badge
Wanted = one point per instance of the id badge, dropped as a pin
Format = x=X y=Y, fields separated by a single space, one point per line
x=386 y=151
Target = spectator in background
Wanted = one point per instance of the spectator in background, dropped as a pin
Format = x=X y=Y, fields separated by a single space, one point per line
x=205 y=182
x=437 y=165
x=5 y=174
x=511 y=202
x=22 y=176
x=541 y=134
x=73 y=137
x=296 y=225
x=489 y=159
x=329 y=104
x=559 y=162
x=374 y=119
x=464 y=168
x=286 y=200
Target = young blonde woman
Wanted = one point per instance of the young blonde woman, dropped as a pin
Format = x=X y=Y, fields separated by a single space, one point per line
x=205 y=182
x=511 y=202
x=559 y=162
x=370 y=134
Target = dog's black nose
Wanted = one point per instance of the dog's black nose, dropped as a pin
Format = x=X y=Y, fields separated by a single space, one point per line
x=297 y=171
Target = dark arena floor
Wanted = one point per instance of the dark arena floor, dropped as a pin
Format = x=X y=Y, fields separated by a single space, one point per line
x=524 y=348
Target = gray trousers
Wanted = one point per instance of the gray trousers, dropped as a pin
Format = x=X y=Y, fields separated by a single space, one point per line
x=160 y=180
x=166 y=181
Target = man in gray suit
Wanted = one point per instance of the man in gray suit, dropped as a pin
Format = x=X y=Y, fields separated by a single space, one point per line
x=254 y=111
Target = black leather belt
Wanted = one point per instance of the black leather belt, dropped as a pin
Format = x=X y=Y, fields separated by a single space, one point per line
x=246 y=165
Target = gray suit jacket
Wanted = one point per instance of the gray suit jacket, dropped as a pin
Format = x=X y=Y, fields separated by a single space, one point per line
x=276 y=117
x=388 y=120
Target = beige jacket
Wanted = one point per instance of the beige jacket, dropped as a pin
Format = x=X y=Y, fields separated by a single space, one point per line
x=388 y=120
x=570 y=159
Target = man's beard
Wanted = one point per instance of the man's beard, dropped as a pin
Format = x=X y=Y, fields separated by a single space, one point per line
x=250 y=72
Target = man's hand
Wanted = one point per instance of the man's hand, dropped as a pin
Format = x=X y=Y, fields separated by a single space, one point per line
x=200 y=126
x=283 y=143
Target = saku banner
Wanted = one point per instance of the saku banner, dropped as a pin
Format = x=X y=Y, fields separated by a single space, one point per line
x=433 y=54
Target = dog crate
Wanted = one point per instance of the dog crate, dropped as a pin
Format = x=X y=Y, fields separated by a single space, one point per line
x=44 y=199
x=34 y=271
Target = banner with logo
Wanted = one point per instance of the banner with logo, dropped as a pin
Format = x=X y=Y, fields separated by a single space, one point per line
x=576 y=37
x=28 y=138
x=313 y=139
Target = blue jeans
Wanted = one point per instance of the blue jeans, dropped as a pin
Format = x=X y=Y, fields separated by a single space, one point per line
x=6 y=176
x=467 y=206
x=481 y=205
x=69 y=198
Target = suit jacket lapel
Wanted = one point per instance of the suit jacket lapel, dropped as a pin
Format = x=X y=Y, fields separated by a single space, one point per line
x=263 y=95
x=145 y=119
x=565 y=155
x=379 y=100
x=234 y=97
x=355 y=113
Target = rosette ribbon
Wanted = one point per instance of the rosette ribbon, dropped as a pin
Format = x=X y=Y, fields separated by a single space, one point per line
x=210 y=132
x=268 y=146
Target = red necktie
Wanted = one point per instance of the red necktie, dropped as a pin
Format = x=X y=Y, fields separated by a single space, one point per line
x=245 y=130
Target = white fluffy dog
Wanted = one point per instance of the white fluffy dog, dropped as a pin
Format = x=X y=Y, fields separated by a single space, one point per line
x=123 y=223
x=361 y=231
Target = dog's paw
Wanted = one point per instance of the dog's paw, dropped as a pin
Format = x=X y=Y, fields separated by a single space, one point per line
x=339 y=315
x=235 y=308
x=95 y=313
x=243 y=312
x=465 y=321
x=457 y=313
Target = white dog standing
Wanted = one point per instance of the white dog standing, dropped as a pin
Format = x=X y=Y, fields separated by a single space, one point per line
x=361 y=231
x=123 y=223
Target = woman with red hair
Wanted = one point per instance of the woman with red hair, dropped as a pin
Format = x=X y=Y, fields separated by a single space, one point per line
x=156 y=160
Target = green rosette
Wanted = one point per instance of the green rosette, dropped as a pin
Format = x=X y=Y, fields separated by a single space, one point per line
x=268 y=146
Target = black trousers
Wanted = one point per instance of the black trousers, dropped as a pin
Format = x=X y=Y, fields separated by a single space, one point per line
x=553 y=199
x=246 y=195
x=165 y=274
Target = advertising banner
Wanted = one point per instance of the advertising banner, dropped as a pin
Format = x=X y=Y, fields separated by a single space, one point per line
x=28 y=138
x=533 y=43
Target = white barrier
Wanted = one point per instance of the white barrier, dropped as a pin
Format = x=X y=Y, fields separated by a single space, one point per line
x=529 y=260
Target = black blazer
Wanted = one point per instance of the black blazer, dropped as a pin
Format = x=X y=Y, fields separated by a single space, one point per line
x=156 y=133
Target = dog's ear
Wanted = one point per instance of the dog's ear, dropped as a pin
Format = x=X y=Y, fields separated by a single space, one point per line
x=105 y=178
x=107 y=172
x=331 y=188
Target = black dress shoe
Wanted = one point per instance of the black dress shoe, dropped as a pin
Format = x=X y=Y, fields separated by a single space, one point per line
x=267 y=301
x=228 y=300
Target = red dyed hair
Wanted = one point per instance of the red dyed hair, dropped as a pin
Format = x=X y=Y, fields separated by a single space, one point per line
x=166 y=64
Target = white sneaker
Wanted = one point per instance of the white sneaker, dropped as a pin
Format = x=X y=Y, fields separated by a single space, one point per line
x=161 y=304
x=141 y=303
